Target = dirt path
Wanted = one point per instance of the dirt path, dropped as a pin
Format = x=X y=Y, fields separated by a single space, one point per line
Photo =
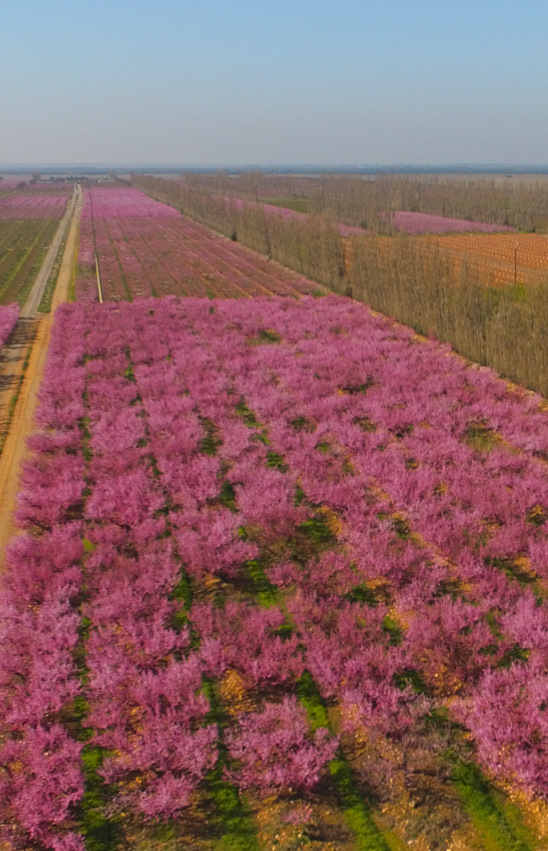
x=35 y=296
x=15 y=451
x=14 y=353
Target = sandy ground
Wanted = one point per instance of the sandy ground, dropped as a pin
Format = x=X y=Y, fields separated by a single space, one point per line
x=37 y=340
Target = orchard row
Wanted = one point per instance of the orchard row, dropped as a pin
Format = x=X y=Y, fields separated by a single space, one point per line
x=272 y=547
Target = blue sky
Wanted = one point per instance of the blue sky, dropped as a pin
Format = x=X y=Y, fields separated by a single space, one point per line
x=285 y=81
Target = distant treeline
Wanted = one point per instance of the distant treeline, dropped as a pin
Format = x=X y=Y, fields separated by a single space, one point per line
x=368 y=201
x=414 y=281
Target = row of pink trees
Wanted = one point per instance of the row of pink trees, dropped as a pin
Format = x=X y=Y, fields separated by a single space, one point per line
x=36 y=203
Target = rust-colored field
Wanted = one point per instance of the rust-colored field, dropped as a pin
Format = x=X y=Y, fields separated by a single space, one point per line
x=496 y=254
x=500 y=258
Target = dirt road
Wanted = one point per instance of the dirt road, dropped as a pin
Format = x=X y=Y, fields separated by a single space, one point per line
x=14 y=353
x=35 y=295
x=38 y=335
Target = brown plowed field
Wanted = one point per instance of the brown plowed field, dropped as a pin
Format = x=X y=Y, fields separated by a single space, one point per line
x=495 y=253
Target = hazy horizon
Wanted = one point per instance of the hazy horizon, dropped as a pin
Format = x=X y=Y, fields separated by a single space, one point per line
x=311 y=83
x=281 y=168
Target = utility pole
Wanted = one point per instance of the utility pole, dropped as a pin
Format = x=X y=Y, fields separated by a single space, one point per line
x=515 y=264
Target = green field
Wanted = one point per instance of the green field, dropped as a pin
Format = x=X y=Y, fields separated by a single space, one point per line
x=23 y=246
x=291 y=202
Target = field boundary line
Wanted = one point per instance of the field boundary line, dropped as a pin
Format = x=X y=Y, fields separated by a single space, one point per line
x=98 y=274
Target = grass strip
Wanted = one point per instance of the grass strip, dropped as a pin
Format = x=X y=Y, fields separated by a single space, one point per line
x=290 y=202
x=101 y=831
x=356 y=810
x=233 y=820
x=74 y=271
x=500 y=825
x=49 y=289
